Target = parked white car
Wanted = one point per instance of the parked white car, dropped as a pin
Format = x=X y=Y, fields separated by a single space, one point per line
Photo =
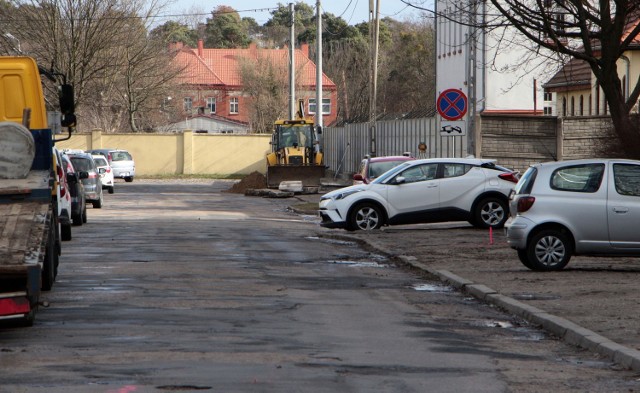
x=423 y=191
x=105 y=171
x=579 y=207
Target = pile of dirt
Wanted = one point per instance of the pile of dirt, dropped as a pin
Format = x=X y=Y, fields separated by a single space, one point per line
x=254 y=180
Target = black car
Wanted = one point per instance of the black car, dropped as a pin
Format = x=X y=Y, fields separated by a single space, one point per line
x=76 y=188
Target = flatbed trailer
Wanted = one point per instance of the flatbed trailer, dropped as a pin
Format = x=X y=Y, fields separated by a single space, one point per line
x=28 y=260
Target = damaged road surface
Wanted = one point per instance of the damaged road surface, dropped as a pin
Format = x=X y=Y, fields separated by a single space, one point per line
x=182 y=287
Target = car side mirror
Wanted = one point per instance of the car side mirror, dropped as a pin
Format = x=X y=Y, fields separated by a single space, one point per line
x=72 y=177
x=102 y=171
x=83 y=175
x=399 y=180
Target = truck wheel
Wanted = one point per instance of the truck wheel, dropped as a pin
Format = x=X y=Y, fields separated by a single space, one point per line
x=128 y=179
x=110 y=189
x=84 y=214
x=48 y=265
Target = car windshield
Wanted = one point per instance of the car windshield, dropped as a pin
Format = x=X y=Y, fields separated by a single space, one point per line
x=378 y=168
x=100 y=161
x=120 y=156
x=81 y=164
x=392 y=172
x=526 y=181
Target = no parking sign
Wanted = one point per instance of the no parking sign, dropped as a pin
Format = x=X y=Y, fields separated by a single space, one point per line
x=452 y=104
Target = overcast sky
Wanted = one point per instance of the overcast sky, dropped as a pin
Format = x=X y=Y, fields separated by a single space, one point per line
x=352 y=11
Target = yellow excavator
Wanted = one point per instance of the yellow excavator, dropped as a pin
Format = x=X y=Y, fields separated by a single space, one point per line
x=296 y=152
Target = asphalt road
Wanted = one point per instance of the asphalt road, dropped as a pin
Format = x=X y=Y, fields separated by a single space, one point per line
x=180 y=287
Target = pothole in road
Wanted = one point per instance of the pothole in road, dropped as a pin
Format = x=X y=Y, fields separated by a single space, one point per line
x=332 y=241
x=361 y=264
x=534 y=296
x=432 y=288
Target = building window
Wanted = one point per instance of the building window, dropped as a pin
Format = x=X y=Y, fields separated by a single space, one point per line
x=564 y=106
x=590 y=106
x=573 y=106
x=326 y=106
x=597 y=100
x=211 y=105
x=548 y=111
x=233 y=106
x=548 y=96
x=188 y=104
x=581 y=105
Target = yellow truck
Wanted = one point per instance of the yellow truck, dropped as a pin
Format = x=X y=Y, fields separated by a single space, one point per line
x=29 y=228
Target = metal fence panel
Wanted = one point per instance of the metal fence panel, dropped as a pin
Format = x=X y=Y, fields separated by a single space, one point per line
x=346 y=146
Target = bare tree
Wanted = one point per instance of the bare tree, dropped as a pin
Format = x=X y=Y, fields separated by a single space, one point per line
x=598 y=32
x=267 y=85
x=102 y=48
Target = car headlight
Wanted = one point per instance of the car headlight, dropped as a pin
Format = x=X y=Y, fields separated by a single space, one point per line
x=343 y=194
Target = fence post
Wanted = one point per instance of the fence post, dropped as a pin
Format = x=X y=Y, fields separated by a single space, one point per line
x=96 y=139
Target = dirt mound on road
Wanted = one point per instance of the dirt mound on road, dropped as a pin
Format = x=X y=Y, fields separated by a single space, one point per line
x=254 y=180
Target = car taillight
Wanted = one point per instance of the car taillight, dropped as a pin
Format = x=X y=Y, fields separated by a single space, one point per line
x=63 y=190
x=525 y=203
x=511 y=176
x=108 y=170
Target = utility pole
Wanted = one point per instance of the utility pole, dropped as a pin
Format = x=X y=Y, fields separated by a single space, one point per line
x=292 y=64
x=374 y=29
x=319 y=68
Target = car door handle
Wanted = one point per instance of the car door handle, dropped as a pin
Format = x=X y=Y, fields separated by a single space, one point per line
x=621 y=210
x=432 y=185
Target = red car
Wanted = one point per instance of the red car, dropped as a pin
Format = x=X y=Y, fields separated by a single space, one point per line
x=372 y=167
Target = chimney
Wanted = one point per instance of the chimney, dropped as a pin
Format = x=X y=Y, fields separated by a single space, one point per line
x=200 y=48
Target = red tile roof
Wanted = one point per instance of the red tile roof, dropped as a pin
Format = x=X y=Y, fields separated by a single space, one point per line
x=222 y=66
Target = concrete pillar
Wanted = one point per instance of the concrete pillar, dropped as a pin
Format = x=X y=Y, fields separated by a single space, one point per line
x=96 y=139
x=187 y=152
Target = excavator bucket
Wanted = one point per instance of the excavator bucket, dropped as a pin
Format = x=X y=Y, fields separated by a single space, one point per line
x=309 y=175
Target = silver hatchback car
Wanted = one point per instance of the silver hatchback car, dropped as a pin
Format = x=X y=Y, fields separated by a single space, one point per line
x=580 y=207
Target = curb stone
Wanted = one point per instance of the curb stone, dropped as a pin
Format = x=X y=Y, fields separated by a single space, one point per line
x=562 y=328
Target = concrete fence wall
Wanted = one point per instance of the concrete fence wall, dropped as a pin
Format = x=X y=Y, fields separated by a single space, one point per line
x=515 y=141
x=186 y=153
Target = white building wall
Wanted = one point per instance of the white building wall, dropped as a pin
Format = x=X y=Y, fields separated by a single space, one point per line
x=507 y=72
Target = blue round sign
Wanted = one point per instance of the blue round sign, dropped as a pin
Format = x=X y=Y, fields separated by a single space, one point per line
x=452 y=104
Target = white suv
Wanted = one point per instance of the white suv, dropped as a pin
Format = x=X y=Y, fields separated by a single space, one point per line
x=423 y=191
x=580 y=207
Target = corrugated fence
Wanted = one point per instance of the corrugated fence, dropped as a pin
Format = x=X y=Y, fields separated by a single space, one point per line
x=345 y=147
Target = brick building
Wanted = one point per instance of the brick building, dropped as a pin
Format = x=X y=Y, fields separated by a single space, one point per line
x=213 y=86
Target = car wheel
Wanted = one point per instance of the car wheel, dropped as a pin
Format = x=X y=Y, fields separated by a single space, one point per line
x=491 y=212
x=549 y=250
x=128 y=179
x=524 y=259
x=76 y=218
x=110 y=189
x=97 y=204
x=365 y=217
x=84 y=214
x=65 y=233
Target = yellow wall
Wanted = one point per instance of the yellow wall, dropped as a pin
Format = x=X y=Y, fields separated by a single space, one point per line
x=187 y=153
